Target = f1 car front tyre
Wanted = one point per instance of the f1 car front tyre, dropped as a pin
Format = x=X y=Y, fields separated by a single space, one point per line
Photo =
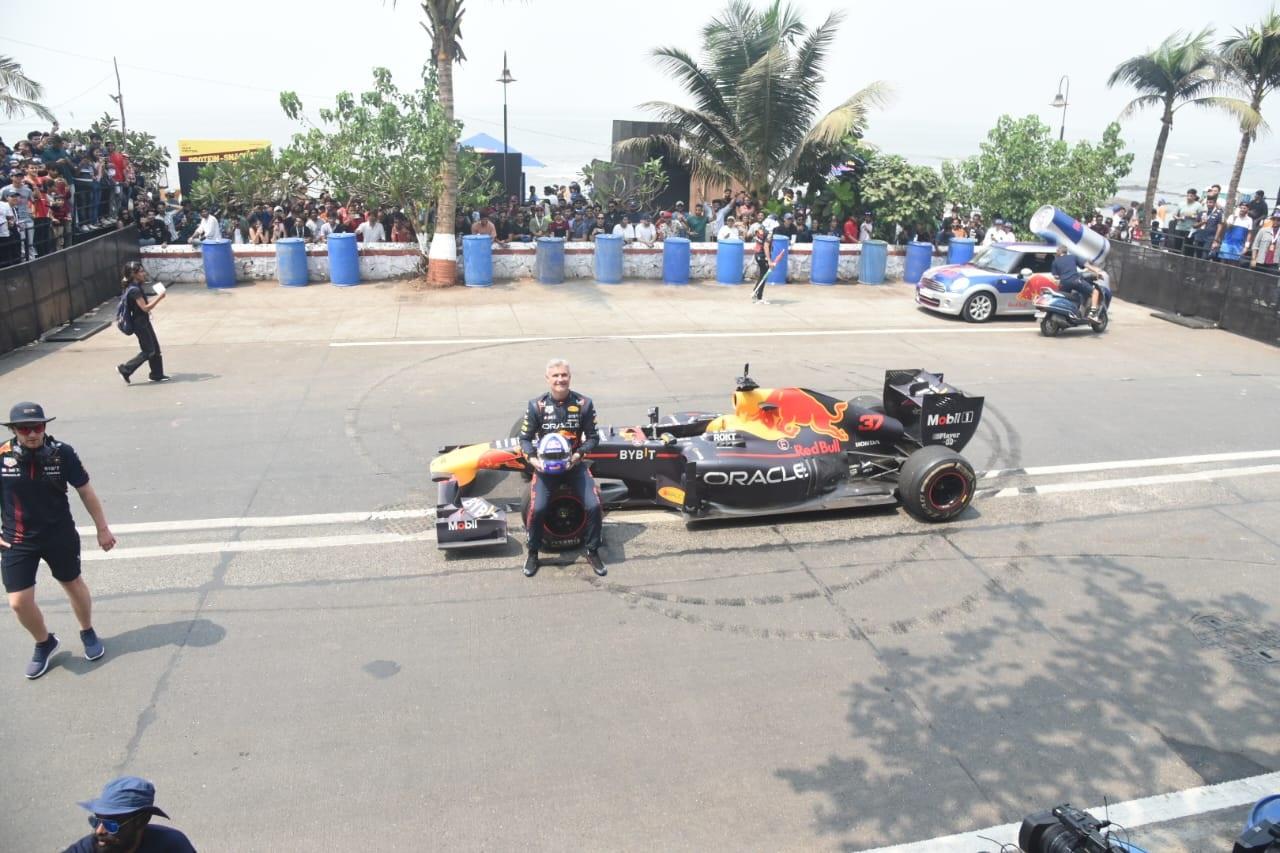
x=936 y=483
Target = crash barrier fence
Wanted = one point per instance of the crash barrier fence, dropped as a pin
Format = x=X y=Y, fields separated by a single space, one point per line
x=49 y=292
x=1236 y=298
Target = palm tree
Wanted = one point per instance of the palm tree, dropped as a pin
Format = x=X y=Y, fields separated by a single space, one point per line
x=19 y=94
x=444 y=25
x=1181 y=71
x=755 y=102
x=1252 y=60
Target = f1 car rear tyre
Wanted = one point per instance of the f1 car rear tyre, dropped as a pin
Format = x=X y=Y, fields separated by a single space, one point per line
x=1049 y=327
x=936 y=483
x=979 y=308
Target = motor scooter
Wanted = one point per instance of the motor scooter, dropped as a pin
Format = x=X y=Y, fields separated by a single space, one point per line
x=1056 y=310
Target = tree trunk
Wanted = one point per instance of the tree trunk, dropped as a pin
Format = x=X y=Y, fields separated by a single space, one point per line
x=1245 y=138
x=442 y=259
x=1157 y=158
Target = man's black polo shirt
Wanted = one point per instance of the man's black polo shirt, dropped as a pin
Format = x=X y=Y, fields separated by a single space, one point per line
x=33 y=490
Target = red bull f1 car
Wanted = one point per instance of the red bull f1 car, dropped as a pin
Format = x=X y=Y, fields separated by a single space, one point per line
x=780 y=450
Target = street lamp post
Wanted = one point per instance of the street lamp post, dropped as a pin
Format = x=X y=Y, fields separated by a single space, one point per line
x=1060 y=101
x=504 y=80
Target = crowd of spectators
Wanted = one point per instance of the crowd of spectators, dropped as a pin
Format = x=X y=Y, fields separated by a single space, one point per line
x=1206 y=226
x=53 y=187
x=311 y=219
x=566 y=212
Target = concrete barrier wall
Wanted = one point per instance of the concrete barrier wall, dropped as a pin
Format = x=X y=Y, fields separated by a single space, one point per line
x=386 y=261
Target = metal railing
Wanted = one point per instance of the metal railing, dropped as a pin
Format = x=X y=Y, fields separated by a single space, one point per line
x=1237 y=298
x=51 y=291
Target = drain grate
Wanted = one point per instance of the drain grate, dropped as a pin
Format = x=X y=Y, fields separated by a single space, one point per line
x=1245 y=643
x=413 y=524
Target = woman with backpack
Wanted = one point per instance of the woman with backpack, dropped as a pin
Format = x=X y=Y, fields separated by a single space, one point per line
x=133 y=317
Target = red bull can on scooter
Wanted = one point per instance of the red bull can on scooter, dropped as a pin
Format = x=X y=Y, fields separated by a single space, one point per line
x=1056 y=226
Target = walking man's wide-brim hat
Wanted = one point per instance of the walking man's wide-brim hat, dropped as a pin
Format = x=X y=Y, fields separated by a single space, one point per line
x=27 y=413
x=125 y=795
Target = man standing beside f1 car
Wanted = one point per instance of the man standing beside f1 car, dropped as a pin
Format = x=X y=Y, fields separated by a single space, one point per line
x=560 y=410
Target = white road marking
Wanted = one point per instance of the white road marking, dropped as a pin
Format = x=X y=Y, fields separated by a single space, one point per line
x=1086 y=467
x=644 y=516
x=262 y=521
x=305 y=544
x=1128 y=482
x=670 y=336
x=1133 y=814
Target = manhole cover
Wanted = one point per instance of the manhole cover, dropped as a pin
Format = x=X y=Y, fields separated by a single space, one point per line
x=1244 y=642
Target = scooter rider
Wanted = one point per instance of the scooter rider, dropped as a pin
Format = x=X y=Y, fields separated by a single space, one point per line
x=573 y=416
x=1066 y=268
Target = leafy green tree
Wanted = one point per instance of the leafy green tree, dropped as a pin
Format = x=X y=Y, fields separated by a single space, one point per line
x=385 y=146
x=1252 y=59
x=1021 y=166
x=1181 y=71
x=19 y=94
x=899 y=193
x=1094 y=172
x=957 y=188
x=622 y=183
x=258 y=176
x=756 y=96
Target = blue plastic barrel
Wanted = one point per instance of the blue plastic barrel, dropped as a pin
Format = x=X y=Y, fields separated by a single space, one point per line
x=960 y=251
x=826 y=259
x=291 y=261
x=219 y=264
x=675 y=260
x=875 y=257
x=608 y=260
x=344 y=260
x=919 y=259
x=778 y=275
x=549 y=262
x=729 y=262
x=1267 y=808
x=477 y=260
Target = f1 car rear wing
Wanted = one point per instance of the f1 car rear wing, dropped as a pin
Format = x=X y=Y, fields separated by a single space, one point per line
x=931 y=411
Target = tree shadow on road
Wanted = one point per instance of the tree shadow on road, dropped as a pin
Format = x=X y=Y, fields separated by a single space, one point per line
x=1101 y=688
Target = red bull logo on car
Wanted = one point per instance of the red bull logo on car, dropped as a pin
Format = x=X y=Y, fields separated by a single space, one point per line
x=793 y=409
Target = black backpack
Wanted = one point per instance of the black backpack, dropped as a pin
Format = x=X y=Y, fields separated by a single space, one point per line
x=124 y=315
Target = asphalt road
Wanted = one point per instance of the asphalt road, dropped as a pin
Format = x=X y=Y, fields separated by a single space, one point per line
x=843 y=681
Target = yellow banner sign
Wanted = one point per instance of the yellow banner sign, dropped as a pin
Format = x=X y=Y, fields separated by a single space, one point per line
x=212 y=150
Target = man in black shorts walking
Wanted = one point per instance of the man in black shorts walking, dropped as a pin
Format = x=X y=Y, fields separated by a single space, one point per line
x=36 y=524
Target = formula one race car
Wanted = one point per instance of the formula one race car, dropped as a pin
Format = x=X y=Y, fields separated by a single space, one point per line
x=779 y=451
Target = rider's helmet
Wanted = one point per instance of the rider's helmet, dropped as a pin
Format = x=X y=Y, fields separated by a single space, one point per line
x=554 y=451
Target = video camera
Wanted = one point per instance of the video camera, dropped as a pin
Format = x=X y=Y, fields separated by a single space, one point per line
x=1065 y=829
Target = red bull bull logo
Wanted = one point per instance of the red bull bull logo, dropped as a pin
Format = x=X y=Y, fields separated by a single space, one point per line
x=793 y=409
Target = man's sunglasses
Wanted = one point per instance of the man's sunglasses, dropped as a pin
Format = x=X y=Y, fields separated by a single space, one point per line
x=28 y=429
x=111 y=826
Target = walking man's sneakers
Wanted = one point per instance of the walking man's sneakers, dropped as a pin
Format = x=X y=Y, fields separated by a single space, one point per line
x=39 y=664
x=531 y=565
x=597 y=564
x=93 y=648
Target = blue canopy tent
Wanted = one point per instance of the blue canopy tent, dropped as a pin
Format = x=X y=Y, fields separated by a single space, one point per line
x=486 y=144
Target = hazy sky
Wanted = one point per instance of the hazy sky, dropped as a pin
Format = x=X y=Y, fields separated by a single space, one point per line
x=954 y=68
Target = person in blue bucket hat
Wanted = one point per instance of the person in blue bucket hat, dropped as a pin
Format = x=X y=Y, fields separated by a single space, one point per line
x=121 y=821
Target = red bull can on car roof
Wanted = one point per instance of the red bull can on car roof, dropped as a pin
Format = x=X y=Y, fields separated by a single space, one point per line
x=1056 y=226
